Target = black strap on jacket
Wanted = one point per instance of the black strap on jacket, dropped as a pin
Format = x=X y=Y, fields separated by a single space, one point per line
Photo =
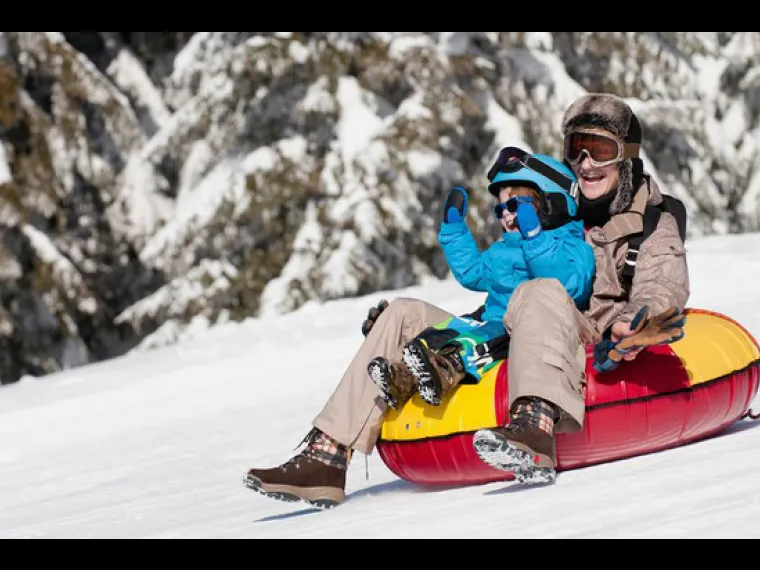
x=652 y=216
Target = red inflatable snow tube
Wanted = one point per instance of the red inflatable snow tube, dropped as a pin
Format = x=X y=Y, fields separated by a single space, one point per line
x=670 y=396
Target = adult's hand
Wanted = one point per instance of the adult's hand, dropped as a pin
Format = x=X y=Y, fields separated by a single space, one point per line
x=372 y=316
x=621 y=331
x=629 y=340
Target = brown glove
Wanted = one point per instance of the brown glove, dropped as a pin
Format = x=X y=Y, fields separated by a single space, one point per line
x=665 y=328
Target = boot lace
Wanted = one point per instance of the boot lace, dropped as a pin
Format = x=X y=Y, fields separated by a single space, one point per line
x=304 y=456
x=319 y=447
x=519 y=423
x=534 y=414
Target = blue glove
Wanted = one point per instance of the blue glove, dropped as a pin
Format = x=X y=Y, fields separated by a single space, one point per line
x=528 y=221
x=455 y=210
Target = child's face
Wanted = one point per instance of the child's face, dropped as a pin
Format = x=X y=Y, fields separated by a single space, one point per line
x=509 y=220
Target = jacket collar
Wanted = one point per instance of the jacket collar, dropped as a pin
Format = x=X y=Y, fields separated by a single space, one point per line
x=630 y=222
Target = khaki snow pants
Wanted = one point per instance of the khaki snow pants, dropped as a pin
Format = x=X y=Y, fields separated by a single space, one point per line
x=547 y=356
x=355 y=412
x=547 y=360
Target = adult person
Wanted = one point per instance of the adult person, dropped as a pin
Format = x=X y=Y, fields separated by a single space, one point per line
x=547 y=360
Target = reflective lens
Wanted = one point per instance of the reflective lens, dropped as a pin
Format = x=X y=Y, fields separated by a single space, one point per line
x=601 y=149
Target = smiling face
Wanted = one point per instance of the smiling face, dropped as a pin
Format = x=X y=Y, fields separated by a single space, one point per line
x=509 y=220
x=596 y=182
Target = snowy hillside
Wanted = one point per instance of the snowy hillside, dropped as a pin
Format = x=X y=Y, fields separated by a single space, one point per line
x=156 y=445
x=153 y=184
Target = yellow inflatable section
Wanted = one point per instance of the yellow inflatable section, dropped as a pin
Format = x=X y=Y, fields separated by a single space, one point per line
x=714 y=348
x=466 y=409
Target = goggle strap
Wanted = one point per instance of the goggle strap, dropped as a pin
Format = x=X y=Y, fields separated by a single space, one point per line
x=557 y=177
x=632 y=150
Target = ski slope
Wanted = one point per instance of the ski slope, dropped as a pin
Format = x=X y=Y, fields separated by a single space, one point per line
x=155 y=445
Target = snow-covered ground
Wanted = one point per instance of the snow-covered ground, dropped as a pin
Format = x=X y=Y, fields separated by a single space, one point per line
x=155 y=445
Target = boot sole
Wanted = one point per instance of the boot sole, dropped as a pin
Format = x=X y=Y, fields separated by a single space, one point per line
x=380 y=372
x=324 y=499
x=502 y=455
x=430 y=386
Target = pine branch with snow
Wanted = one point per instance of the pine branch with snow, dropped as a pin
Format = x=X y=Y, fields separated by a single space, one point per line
x=165 y=182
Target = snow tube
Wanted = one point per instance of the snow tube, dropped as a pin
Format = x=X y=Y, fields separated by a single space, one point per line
x=669 y=397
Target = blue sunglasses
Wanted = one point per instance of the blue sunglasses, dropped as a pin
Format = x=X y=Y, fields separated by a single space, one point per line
x=511 y=206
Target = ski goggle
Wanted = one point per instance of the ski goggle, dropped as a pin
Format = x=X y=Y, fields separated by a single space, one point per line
x=510 y=160
x=601 y=149
x=511 y=206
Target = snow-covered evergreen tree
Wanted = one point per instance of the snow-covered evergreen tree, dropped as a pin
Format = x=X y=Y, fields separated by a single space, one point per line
x=155 y=182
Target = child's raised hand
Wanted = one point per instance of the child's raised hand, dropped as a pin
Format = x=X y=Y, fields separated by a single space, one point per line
x=528 y=221
x=455 y=210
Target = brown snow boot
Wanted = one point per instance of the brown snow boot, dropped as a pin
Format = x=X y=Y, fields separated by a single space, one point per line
x=395 y=381
x=317 y=476
x=438 y=372
x=527 y=446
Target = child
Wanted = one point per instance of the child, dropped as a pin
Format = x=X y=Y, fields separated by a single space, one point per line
x=542 y=239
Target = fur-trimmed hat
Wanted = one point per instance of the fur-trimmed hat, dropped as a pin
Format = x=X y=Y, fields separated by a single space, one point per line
x=613 y=114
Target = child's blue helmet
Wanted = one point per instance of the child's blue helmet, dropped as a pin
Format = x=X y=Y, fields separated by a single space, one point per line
x=555 y=182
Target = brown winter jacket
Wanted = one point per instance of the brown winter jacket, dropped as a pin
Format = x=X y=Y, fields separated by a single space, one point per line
x=662 y=274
